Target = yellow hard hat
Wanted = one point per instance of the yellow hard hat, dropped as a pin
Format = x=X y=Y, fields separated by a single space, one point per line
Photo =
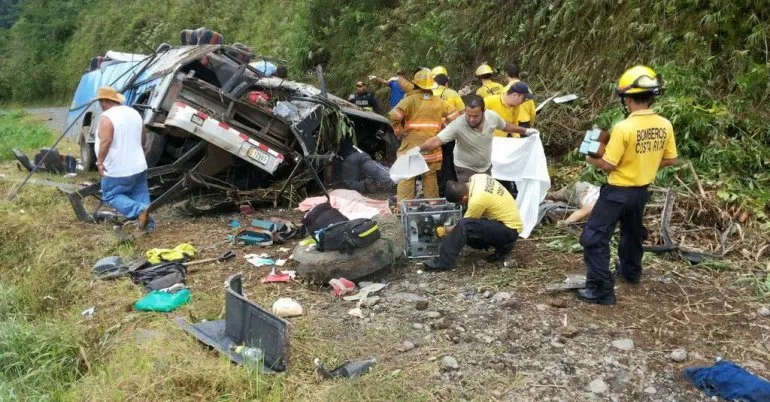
x=439 y=70
x=423 y=78
x=639 y=79
x=484 y=69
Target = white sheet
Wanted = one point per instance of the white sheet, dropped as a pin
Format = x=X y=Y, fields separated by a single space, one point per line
x=408 y=166
x=522 y=160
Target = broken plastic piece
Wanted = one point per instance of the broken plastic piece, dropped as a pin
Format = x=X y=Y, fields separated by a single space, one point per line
x=342 y=287
x=366 y=291
x=245 y=323
x=235 y=223
x=345 y=370
x=573 y=281
x=258 y=260
x=284 y=276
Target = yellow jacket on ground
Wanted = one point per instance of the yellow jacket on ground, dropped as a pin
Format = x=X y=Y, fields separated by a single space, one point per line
x=636 y=147
x=509 y=113
x=487 y=198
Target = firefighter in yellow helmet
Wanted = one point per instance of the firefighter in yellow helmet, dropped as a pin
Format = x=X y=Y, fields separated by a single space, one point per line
x=637 y=148
x=418 y=117
x=443 y=91
x=488 y=87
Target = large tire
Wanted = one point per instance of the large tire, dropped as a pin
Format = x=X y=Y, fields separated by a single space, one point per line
x=87 y=154
x=320 y=267
x=155 y=145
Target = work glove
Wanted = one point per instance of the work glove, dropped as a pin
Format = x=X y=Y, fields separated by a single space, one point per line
x=530 y=132
x=372 y=77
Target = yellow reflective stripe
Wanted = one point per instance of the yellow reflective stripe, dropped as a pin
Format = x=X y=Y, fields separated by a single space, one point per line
x=368 y=232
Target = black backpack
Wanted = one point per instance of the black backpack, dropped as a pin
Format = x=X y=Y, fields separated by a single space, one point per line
x=321 y=216
x=347 y=236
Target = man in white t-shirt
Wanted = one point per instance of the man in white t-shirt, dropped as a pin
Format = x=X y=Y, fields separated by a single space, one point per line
x=473 y=136
x=120 y=158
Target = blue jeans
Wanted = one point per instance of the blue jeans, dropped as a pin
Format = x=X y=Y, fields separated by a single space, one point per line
x=128 y=195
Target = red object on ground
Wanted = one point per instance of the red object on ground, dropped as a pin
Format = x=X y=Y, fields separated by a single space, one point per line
x=258 y=97
x=246 y=209
x=342 y=287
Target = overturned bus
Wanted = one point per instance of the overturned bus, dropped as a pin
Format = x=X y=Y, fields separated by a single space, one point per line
x=219 y=132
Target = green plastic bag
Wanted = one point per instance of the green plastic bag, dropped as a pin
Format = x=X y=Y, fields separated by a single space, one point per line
x=162 y=302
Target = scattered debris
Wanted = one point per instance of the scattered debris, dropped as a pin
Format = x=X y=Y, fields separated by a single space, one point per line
x=247 y=324
x=88 y=312
x=280 y=262
x=342 y=287
x=162 y=301
x=287 y=307
x=345 y=370
x=284 y=276
x=573 y=281
x=356 y=312
x=729 y=381
x=284 y=250
x=366 y=289
x=623 y=344
x=679 y=355
x=258 y=261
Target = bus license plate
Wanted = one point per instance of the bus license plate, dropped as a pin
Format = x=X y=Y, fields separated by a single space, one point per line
x=258 y=155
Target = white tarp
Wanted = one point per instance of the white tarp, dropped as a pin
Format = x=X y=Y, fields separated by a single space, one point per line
x=411 y=164
x=522 y=160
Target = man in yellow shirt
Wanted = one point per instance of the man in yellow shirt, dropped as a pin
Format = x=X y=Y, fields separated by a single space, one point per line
x=508 y=105
x=527 y=109
x=491 y=220
x=488 y=87
x=638 y=147
x=416 y=118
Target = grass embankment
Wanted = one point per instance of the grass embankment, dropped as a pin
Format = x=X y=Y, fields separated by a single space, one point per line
x=18 y=130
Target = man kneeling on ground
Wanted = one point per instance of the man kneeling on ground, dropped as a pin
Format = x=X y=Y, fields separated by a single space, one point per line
x=491 y=220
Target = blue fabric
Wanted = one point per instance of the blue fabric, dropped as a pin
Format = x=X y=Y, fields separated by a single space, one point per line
x=729 y=381
x=396 y=93
x=265 y=67
x=128 y=195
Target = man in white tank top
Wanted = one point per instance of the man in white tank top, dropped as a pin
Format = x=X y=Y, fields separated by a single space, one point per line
x=120 y=158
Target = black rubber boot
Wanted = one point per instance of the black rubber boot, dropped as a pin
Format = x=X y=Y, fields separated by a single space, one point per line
x=597 y=296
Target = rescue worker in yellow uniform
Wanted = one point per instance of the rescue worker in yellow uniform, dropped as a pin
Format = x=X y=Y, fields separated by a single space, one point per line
x=508 y=106
x=488 y=87
x=491 y=220
x=418 y=117
x=527 y=109
x=441 y=76
x=637 y=148
x=447 y=171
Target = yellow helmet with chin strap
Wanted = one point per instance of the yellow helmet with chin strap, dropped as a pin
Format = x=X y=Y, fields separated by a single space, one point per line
x=439 y=70
x=484 y=69
x=639 y=80
x=423 y=78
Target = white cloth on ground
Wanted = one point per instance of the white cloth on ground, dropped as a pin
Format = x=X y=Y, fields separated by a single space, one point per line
x=350 y=203
x=523 y=161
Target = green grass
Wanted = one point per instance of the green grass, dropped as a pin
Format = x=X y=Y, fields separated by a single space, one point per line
x=17 y=131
